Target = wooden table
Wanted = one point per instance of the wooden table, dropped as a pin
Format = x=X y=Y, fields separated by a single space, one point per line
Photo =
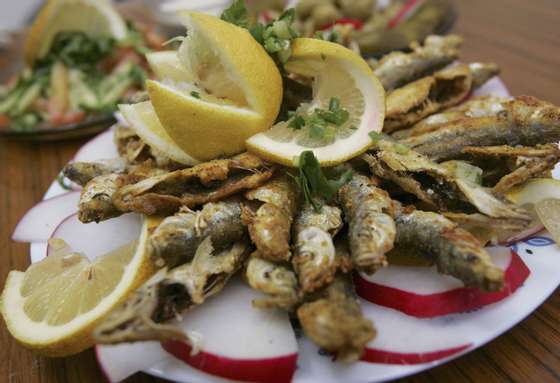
x=522 y=36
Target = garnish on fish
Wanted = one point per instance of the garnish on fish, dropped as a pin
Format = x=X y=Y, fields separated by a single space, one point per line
x=177 y=238
x=369 y=212
x=207 y=182
x=145 y=314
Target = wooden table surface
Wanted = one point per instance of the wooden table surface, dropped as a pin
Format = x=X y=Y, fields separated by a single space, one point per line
x=522 y=36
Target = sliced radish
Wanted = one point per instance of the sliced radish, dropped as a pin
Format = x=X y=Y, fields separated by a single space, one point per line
x=96 y=239
x=423 y=293
x=238 y=341
x=403 y=339
x=41 y=220
x=99 y=148
x=121 y=361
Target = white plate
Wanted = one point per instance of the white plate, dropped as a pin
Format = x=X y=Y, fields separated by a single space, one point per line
x=539 y=253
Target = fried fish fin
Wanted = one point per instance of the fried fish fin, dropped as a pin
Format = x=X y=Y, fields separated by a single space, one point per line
x=314 y=258
x=176 y=239
x=369 y=213
x=530 y=169
x=83 y=172
x=146 y=313
x=277 y=282
x=397 y=68
x=334 y=321
x=455 y=251
x=524 y=121
x=269 y=226
x=208 y=182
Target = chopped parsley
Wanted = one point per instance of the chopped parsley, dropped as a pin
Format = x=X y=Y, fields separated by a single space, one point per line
x=276 y=36
x=195 y=94
x=236 y=14
x=313 y=183
x=322 y=123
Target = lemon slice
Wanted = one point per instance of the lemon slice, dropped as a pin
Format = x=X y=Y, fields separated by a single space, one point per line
x=548 y=211
x=336 y=72
x=143 y=119
x=236 y=90
x=166 y=65
x=94 y=17
x=541 y=198
x=54 y=306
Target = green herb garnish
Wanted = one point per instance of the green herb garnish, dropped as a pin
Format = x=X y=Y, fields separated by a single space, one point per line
x=313 y=183
x=195 y=94
x=322 y=123
x=236 y=14
x=375 y=137
x=276 y=36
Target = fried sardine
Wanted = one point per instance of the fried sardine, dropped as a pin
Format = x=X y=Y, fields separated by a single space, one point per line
x=207 y=182
x=269 y=226
x=369 y=213
x=524 y=121
x=176 y=239
x=455 y=251
x=335 y=322
x=408 y=105
x=145 y=314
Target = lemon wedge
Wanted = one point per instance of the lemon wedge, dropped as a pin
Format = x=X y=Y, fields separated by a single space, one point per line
x=166 y=65
x=93 y=17
x=236 y=90
x=336 y=72
x=541 y=197
x=143 y=119
x=53 y=307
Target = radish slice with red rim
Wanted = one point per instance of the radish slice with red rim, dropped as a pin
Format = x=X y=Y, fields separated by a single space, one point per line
x=96 y=239
x=100 y=147
x=41 y=220
x=237 y=341
x=423 y=293
x=124 y=360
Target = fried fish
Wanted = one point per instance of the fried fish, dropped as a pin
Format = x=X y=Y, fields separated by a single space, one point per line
x=144 y=315
x=369 y=213
x=207 y=182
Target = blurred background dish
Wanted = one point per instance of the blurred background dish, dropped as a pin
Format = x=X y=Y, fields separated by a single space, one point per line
x=64 y=76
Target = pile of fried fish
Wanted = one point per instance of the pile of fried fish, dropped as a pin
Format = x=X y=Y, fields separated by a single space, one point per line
x=431 y=186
